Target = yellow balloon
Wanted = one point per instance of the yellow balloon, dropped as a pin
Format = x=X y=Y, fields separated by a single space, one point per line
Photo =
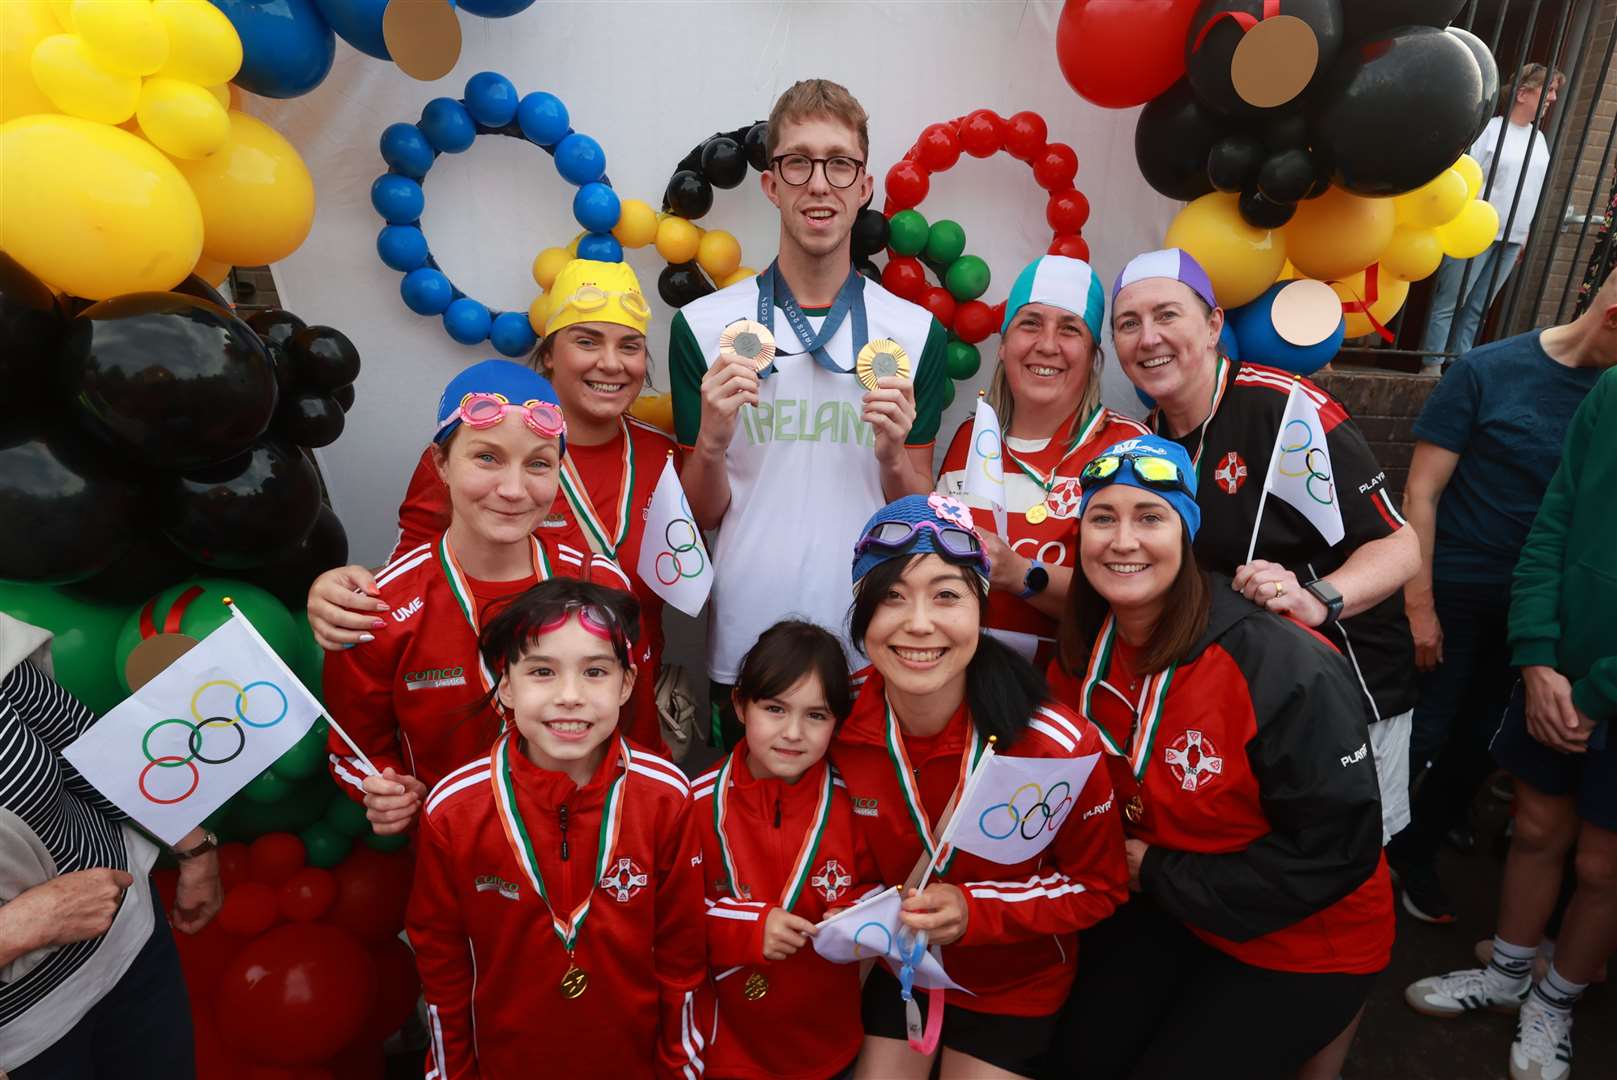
x=221 y=94
x=63 y=10
x=536 y=311
x=1289 y=272
x=203 y=46
x=547 y=264
x=572 y=246
x=256 y=195
x=740 y=273
x=23 y=25
x=1435 y=202
x=1469 y=235
x=77 y=83
x=637 y=224
x=677 y=239
x=214 y=273
x=1411 y=254
x=93 y=210
x=125 y=35
x=1338 y=233
x=654 y=409
x=1241 y=260
x=1391 y=293
x=718 y=253
x=1468 y=168
x=181 y=119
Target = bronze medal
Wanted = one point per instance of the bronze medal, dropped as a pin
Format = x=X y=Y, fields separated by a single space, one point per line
x=756 y=986
x=883 y=358
x=574 y=983
x=1036 y=514
x=1134 y=810
x=750 y=341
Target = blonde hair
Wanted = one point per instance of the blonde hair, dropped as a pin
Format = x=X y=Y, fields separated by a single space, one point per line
x=1535 y=75
x=818 y=97
x=1000 y=400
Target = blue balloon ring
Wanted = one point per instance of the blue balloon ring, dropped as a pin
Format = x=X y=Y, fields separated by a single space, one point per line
x=491 y=106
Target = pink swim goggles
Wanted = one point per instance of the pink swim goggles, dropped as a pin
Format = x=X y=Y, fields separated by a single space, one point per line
x=485 y=410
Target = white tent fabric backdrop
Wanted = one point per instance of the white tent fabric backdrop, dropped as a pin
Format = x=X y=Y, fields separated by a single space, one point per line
x=649 y=81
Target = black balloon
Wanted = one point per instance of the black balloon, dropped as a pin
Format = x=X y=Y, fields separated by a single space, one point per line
x=1490 y=74
x=344 y=397
x=325 y=358
x=869 y=269
x=174 y=381
x=1208 y=67
x=869 y=233
x=253 y=509
x=1172 y=139
x=757 y=145
x=1288 y=131
x=289 y=579
x=146 y=567
x=724 y=162
x=680 y=283
x=195 y=286
x=65 y=510
x=1287 y=176
x=1262 y=212
x=1373 y=17
x=31 y=325
x=1398 y=110
x=275 y=326
x=1233 y=162
x=309 y=418
x=688 y=195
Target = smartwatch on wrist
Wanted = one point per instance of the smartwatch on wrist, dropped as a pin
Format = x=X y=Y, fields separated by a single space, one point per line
x=1330 y=596
x=209 y=843
x=1035 y=581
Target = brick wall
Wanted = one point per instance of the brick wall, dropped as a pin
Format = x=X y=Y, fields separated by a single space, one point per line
x=1384 y=404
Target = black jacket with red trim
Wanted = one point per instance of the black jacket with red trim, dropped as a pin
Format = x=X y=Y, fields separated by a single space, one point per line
x=1261 y=804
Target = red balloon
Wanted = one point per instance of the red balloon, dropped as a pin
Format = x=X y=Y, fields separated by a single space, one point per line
x=907 y=186
x=1056 y=168
x=1073 y=247
x=233 y=865
x=297 y=995
x=982 y=133
x=904 y=277
x=938 y=147
x=274 y=857
x=1067 y=211
x=397 y=986
x=974 y=321
x=306 y=895
x=204 y=956
x=167 y=880
x=1025 y=133
x=249 y=909
x=1121 y=53
x=361 y=1061
x=372 y=889
x=940 y=303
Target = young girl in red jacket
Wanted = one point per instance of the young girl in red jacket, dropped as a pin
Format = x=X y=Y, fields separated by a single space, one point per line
x=937 y=690
x=555 y=914
x=782 y=849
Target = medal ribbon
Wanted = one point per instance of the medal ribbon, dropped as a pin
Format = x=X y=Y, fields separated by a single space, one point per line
x=578 y=497
x=806 y=851
x=516 y=834
x=772 y=289
x=468 y=603
x=1147 y=711
x=912 y=794
x=1083 y=434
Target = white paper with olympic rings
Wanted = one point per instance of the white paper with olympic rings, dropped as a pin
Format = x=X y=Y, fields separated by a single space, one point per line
x=985 y=465
x=673 y=559
x=181 y=745
x=1014 y=806
x=870 y=930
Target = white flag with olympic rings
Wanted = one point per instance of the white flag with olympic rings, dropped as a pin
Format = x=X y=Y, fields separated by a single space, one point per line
x=673 y=559
x=1014 y=806
x=871 y=930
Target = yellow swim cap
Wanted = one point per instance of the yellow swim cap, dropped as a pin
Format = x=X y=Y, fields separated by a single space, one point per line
x=589 y=291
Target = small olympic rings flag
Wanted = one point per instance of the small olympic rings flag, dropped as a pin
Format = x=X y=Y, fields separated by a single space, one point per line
x=673 y=559
x=1013 y=806
x=1300 y=468
x=193 y=736
x=871 y=929
x=985 y=467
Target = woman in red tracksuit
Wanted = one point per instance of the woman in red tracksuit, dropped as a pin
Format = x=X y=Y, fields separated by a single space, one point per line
x=555 y=914
x=1239 y=747
x=936 y=691
x=782 y=850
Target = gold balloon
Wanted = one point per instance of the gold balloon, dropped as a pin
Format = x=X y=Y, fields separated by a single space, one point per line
x=1391 y=293
x=1469 y=235
x=1338 y=233
x=78 y=84
x=1432 y=204
x=125 y=35
x=94 y=210
x=181 y=119
x=1240 y=259
x=256 y=195
x=547 y=264
x=677 y=239
x=718 y=253
x=637 y=224
x=654 y=409
x=1412 y=253
x=23 y=25
x=1468 y=168
x=203 y=45
x=214 y=273
x=740 y=273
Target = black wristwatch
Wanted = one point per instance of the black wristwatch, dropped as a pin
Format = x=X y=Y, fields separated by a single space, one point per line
x=1330 y=596
x=1035 y=581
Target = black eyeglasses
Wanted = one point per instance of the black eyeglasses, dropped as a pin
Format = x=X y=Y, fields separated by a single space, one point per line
x=796 y=169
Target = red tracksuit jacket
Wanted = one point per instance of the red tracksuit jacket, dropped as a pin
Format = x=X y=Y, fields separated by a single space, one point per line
x=1022 y=925
x=490 y=964
x=807 y=1023
x=409 y=698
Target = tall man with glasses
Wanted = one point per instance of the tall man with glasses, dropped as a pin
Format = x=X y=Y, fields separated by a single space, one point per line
x=787 y=455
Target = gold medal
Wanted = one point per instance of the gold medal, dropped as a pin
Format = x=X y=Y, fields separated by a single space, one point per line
x=883 y=358
x=575 y=982
x=1036 y=514
x=750 y=341
x=756 y=987
x=1134 y=810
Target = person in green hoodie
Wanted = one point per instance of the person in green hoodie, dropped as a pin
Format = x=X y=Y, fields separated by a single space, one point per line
x=1556 y=741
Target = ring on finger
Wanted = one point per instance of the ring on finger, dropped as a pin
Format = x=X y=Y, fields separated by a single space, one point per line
x=1280 y=590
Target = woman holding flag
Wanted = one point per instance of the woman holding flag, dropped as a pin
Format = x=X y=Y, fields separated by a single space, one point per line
x=1238 y=745
x=1045 y=396
x=939 y=700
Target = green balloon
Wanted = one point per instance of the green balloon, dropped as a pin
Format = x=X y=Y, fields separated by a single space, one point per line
x=387 y=843
x=962 y=359
x=906 y=232
x=945 y=242
x=309 y=662
x=86 y=635
x=267 y=787
x=326 y=846
x=305 y=758
x=967 y=278
x=301 y=806
x=347 y=817
x=948 y=393
x=207 y=612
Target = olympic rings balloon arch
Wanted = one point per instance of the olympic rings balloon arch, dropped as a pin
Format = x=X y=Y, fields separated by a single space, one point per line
x=194 y=741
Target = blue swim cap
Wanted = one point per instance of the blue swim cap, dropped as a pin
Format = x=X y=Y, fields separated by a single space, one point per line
x=1154 y=446
x=517 y=383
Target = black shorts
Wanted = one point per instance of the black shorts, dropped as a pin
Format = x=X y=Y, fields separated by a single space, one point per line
x=1012 y=1043
x=1590 y=777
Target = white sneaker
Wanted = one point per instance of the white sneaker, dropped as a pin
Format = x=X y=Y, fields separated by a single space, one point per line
x=1461 y=992
x=1543 y=1046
